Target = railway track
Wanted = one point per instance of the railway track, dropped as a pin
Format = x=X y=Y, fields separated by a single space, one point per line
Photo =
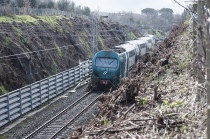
x=62 y=121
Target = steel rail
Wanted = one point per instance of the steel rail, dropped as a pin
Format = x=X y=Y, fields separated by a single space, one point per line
x=76 y=117
x=56 y=117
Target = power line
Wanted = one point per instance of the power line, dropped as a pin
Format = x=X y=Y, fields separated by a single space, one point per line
x=33 y=53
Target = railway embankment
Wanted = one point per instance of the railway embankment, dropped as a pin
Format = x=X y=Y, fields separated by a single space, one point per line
x=36 y=47
x=159 y=100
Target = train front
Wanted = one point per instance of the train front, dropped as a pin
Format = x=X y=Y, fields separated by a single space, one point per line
x=106 y=68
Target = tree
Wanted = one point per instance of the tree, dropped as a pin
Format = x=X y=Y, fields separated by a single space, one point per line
x=33 y=3
x=149 y=11
x=72 y=7
x=63 y=5
x=86 y=11
x=12 y=4
x=166 y=13
x=20 y=3
x=42 y=5
x=3 y=2
x=50 y=5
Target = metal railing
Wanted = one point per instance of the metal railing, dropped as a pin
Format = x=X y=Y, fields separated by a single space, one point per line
x=20 y=101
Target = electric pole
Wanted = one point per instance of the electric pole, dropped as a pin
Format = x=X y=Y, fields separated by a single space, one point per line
x=94 y=35
x=208 y=71
x=200 y=50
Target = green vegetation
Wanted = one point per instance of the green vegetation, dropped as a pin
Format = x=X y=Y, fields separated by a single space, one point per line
x=19 y=31
x=3 y=137
x=87 y=48
x=6 y=41
x=3 y=90
x=51 y=20
x=84 y=34
x=132 y=36
x=18 y=18
x=70 y=24
x=141 y=101
x=55 y=68
x=101 y=42
x=173 y=104
x=59 y=51
x=106 y=122
x=157 y=33
x=25 y=40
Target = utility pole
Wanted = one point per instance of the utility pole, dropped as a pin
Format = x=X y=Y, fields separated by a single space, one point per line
x=200 y=51
x=208 y=71
x=94 y=35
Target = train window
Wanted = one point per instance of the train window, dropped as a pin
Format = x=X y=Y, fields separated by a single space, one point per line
x=106 y=62
x=131 y=53
x=143 y=45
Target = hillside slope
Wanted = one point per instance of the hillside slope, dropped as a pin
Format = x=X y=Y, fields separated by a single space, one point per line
x=35 y=47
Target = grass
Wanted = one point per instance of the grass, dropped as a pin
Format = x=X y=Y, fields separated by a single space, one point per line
x=132 y=36
x=18 y=18
x=84 y=34
x=3 y=137
x=70 y=24
x=6 y=41
x=87 y=47
x=51 y=20
x=54 y=67
x=101 y=42
x=19 y=31
x=59 y=51
x=3 y=90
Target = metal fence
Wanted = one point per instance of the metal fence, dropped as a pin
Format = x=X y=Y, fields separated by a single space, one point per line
x=6 y=10
x=20 y=101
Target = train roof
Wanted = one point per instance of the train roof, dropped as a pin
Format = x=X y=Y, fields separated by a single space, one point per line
x=145 y=38
x=134 y=42
x=126 y=46
x=148 y=35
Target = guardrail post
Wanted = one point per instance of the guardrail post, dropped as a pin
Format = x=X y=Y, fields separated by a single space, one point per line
x=8 y=107
x=48 y=88
x=68 y=78
x=31 y=97
x=20 y=97
x=56 y=89
x=74 y=77
x=90 y=67
x=62 y=83
x=79 y=72
x=40 y=91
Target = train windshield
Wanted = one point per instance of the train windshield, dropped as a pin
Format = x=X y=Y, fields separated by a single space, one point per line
x=106 y=62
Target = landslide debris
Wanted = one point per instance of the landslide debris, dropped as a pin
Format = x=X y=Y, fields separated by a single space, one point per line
x=36 y=47
x=158 y=100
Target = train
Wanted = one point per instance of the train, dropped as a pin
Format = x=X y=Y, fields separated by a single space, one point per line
x=111 y=65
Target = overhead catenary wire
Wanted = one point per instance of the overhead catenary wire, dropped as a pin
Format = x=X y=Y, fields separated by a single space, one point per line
x=34 y=53
x=8 y=57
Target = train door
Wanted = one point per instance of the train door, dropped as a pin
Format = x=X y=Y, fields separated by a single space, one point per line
x=137 y=51
x=131 y=58
x=127 y=63
x=123 y=65
x=143 y=48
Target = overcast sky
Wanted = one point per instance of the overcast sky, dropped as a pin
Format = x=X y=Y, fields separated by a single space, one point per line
x=134 y=6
